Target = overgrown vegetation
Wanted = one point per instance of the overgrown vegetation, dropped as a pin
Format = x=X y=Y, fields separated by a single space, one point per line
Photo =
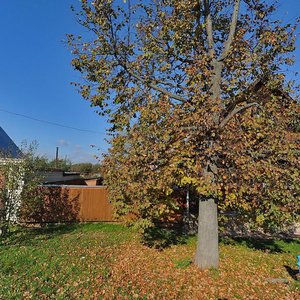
x=107 y=261
x=19 y=193
x=67 y=165
x=86 y=168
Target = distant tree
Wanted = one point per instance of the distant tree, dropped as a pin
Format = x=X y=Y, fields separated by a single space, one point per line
x=84 y=168
x=96 y=169
x=176 y=80
x=60 y=164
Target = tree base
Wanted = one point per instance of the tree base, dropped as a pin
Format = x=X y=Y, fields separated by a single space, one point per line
x=207 y=253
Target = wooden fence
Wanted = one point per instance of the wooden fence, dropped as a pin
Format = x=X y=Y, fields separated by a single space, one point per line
x=74 y=203
x=93 y=203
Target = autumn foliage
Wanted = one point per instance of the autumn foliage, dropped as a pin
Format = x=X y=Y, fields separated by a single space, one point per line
x=197 y=98
x=257 y=165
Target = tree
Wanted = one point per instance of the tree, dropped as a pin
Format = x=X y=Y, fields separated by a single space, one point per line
x=19 y=191
x=11 y=188
x=141 y=168
x=200 y=59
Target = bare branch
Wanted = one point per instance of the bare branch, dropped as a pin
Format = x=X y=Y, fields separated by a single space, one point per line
x=232 y=30
x=234 y=112
x=209 y=28
x=129 y=22
x=154 y=86
x=172 y=85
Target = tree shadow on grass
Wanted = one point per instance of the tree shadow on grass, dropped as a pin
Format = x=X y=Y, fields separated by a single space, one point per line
x=30 y=236
x=267 y=245
x=53 y=205
x=161 y=237
x=292 y=272
x=45 y=208
x=45 y=205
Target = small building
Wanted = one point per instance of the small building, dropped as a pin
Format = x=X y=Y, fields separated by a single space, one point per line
x=59 y=177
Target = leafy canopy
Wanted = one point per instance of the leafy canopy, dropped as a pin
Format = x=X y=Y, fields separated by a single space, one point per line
x=196 y=94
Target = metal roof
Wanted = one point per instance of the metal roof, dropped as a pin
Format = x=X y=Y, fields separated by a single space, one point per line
x=7 y=147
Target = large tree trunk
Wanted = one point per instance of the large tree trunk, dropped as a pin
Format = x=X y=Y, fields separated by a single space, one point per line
x=207 y=253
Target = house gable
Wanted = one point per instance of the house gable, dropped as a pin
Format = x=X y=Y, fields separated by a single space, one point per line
x=8 y=149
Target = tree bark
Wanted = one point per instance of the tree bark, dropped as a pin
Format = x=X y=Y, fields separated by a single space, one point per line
x=207 y=253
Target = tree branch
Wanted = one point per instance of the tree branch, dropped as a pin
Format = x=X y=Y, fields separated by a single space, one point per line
x=172 y=85
x=154 y=86
x=138 y=77
x=232 y=30
x=209 y=28
x=234 y=112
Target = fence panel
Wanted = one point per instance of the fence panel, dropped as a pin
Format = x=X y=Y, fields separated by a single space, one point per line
x=94 y=204
x=90 y=203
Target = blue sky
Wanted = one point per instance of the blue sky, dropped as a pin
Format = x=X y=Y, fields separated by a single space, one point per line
x=35 y=78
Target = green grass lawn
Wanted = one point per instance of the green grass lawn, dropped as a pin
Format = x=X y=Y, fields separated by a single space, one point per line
x=107 y=261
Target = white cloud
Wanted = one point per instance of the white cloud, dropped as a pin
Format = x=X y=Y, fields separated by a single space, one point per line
x=63 y=143
x=79 y=154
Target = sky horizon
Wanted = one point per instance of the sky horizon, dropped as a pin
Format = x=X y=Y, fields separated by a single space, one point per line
x=36 y=73
x=36 y=82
